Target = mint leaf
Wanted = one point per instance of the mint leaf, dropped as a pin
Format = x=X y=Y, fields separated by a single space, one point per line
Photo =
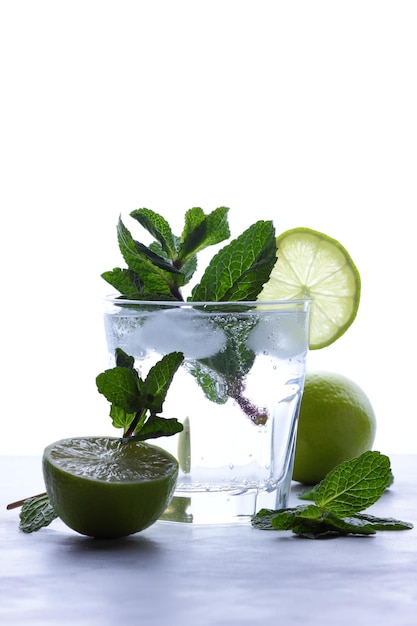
x=123 y=359
x=159 y=228
x=126 y=281
x=153 y=270
x=383 y=523
x=159 y=379
x=121 y=386
x=156 y=426
x=346 y=490
x=134 y=402
x=240 y=269
x=201 y=230
x=36 y=513
x=120 y=417
x=222 y=376
x=310 y=522
x=354 y=485
x=211 y=383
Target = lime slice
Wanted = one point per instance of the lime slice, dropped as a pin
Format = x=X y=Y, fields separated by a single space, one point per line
x=313 y=265
x=104 y=488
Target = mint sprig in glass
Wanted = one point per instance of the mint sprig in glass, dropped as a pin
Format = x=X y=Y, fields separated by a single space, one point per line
x=161 y=270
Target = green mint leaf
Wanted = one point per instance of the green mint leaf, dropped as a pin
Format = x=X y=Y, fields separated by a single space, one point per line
x=354 y=485
x=36 y=513
x=123 y=359
x=346 y=526
x=222 y=376
x=188 y=267
x=157 y=260
x=264 y=519
x=159 y=379
x=132 y=398
x=236 y=359
x=313 y=523
x=240 y=269
x=121 y=386
x=121 y=418
x=201 y=230
x=159 y=228
x=212 y=385
x=383 y=523
x=125 y=281
x=309 y=494
x=332 y=525
x=142 y=261
x=156 y=426
x=345 y=491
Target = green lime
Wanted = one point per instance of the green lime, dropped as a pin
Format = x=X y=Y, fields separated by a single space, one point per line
x=313 y=265
x=336 y=423
x=102 y=487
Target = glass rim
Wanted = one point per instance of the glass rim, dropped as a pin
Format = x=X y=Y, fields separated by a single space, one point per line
x=120 y=300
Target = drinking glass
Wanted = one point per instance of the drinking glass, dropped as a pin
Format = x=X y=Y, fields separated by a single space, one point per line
x=237 y=395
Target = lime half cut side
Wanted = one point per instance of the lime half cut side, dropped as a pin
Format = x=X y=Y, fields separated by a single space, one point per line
x=105 y=488
x=312 y=265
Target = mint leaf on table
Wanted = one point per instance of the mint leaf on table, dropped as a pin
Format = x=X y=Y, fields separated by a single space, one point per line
x=134 y=402
x=383 y=523
x=354 y=485
x=36 y=513
x=240 y=269
x=338 y=500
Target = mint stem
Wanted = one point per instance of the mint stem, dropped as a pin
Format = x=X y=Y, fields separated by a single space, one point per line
x=139 y=417
x=18 y=503
x=176 y=292
x=258 y=416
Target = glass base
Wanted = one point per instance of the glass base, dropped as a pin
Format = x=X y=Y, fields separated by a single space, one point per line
x=223 y=507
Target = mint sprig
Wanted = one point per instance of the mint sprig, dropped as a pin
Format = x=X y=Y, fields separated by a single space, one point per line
x=36 y=513
x=339 y=500
x=239 y=271
x=236 y=273
x=160 y=271
x=135 y=407
x=135 y=403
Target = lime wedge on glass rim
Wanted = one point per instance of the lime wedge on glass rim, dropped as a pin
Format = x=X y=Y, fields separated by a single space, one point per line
x=312 y=265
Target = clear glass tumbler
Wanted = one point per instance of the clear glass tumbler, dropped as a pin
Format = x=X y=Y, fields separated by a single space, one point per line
x=237 y=395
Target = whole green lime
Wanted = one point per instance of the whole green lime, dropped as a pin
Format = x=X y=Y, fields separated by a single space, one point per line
x=336 y=423
x=106 y=488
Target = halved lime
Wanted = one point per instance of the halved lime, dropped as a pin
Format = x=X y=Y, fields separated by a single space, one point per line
x=102 y=487
x=312 y=265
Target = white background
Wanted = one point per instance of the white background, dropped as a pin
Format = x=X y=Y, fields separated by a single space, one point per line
x=300 y=112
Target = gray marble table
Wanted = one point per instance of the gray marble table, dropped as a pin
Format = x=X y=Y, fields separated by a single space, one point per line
x=206 y=575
